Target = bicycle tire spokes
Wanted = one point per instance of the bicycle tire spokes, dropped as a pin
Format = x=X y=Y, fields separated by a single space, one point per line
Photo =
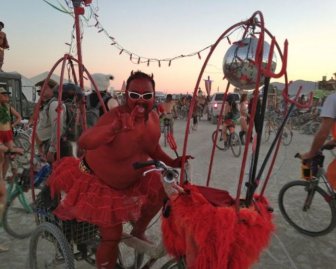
x=307 y=207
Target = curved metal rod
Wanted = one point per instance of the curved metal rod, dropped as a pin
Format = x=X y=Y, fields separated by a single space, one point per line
x=294 y=101
x=213 y=47
x=35 y=119
x=219 y=123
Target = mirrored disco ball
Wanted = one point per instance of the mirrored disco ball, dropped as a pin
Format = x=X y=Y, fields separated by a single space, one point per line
x=238 y=63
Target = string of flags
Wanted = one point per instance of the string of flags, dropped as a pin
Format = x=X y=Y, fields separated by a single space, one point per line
x=133 y=57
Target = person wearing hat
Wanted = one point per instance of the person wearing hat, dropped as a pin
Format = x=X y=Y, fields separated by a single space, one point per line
x=6 y=140
x=93 y=106
x=45 y=98
x=3 y=44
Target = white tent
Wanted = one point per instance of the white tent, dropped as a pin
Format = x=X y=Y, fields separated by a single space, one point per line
x=43 y=75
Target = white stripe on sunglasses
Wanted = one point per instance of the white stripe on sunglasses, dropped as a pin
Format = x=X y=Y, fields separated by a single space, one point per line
x=136 y=96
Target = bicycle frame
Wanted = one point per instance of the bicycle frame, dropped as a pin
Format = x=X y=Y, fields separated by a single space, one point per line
x=14 y=188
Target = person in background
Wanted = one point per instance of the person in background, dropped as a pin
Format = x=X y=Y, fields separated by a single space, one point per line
x=244 y=117
x=231 y=112
x=327 y=127
x=43 y=129
x=167 y=110
x=6 y=140
x=103 y=188
x=3 y=45
x=46 y=130
x=103 y=82
x=198 y=109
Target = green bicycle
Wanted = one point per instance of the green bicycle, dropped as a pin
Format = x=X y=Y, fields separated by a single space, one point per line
x=18 y=219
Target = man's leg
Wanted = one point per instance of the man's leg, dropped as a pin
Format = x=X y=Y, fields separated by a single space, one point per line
x=107 y=252
x=150 y=209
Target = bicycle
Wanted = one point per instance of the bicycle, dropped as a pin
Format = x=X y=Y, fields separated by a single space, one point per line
x=18 y=218
x=271 y=128
x=22 y=139
x=313 y=211
x=166 y=129
x=59 y=243
x=233 y=140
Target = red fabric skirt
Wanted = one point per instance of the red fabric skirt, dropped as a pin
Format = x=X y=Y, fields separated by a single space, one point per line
x=89 y=199
x=6 y=136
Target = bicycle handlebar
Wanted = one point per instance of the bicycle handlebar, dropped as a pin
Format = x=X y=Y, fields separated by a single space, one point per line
x=326 y=146
x=169 y=174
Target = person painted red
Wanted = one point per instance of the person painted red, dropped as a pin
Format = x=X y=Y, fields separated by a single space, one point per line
x=103 y=188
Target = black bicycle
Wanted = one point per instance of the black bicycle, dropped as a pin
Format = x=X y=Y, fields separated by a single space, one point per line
x=310 y=205
x=233 y=140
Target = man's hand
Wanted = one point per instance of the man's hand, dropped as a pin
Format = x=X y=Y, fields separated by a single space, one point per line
x=172 y=188
x=177 y=163
x=128 y=119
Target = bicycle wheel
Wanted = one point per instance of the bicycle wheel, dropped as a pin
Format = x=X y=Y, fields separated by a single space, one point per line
x=22 y=140
x=128 y=257
x=48 y=248
x=307 y=207
x=287 y=136
x=219 y=142
x=19 y=218
x=234 y=142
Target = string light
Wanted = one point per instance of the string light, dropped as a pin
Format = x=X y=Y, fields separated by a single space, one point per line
x=121 y=49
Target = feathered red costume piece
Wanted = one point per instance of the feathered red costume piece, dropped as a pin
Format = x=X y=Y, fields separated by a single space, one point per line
x=216 y=237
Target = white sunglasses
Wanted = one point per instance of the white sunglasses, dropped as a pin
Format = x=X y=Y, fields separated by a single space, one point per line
x=136 y=96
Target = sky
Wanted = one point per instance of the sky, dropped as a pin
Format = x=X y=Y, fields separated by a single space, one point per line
x=161 y=29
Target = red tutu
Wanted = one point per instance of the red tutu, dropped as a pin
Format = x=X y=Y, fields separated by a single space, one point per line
x=89 y=199
x=216 y=237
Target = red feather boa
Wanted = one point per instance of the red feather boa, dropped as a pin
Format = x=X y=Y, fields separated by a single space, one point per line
x=216 y=237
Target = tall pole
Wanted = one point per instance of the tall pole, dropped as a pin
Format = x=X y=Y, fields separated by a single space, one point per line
x=79 y=11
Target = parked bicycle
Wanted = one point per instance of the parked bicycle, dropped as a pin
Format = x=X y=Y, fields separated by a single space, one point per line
x=310 y=205
x=271 y=128
x=233 y=140
x=22 y=139
x=18 y=218
x=57 y=244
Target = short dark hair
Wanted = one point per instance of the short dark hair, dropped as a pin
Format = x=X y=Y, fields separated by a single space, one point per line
x=2 y=24
x=140 y=75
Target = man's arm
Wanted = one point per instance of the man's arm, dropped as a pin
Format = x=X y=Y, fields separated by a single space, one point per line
x=320 y=137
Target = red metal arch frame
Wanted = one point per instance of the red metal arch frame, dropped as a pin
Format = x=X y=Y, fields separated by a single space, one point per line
x=256 y=21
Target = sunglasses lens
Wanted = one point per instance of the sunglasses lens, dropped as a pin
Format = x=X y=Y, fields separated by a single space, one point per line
x=147 y=96
x=134 y=95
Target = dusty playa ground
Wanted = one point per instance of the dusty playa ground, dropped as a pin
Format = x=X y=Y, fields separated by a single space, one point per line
x=288 y=248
